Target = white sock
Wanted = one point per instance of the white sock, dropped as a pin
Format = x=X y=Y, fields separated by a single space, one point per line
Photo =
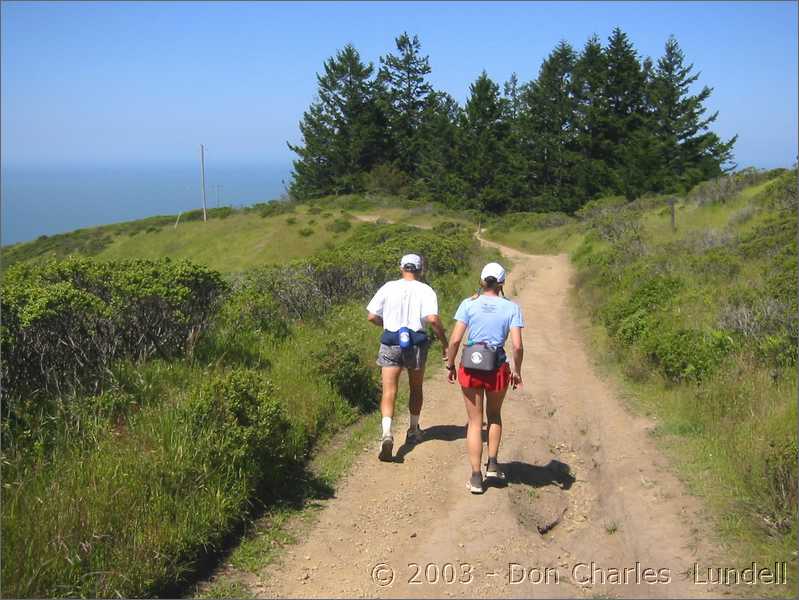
x=414 y=421
x=386 y=426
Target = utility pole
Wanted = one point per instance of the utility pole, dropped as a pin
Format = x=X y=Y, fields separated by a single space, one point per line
x=202 y=179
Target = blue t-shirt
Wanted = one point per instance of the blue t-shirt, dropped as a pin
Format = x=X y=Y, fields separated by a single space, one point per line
x=489 y=318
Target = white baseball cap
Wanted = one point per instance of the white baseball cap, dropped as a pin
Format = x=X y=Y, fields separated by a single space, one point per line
x=494 y=270
x=413 y=260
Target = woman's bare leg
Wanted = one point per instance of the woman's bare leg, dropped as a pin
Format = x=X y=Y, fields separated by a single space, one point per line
x=473 y=398
x=494 y=418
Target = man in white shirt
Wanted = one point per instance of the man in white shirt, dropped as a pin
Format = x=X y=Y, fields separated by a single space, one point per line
x=402 y=308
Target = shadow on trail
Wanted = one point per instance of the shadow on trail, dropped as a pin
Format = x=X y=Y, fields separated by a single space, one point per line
x=292 y=493
x=553 y=473
x=442 y=433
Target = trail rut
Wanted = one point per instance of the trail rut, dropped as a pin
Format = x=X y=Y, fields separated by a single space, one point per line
x=581 y=469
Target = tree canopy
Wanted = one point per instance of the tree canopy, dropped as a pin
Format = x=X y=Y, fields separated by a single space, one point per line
x=601 y=120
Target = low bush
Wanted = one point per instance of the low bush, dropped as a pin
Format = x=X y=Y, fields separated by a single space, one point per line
x=306 y=231
x=687 y=354
x=64 y=323
x=339 y=226
x=341 y=364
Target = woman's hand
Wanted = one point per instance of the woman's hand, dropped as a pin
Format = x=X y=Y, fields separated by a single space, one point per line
x=515 y=379
x=452 y=376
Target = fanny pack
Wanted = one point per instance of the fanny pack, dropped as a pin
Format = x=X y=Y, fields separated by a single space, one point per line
x=392 y=338
x=482 y=357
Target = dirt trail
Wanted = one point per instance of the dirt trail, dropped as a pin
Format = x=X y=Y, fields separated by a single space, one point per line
x=577 y=462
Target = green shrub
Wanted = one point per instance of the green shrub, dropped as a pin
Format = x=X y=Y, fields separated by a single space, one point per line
x=65 y=322
x=687 y=354
x=274 y=208
x=291 y=221
x=347 y=373
x=633 y=308
x=306 y=231
x=339 y=226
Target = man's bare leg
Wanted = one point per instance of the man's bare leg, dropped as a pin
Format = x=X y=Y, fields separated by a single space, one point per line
x=390 y=376
x=415 y=382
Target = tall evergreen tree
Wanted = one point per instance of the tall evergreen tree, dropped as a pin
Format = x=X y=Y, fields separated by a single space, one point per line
x=687 y=151
x=342 y=131
x=626 y=125
x=483 y=160
x=550 y=129
x=407 y=91
x=439 y=141
x=589 y=81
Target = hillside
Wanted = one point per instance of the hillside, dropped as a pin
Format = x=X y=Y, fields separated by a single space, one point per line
x=234 y=240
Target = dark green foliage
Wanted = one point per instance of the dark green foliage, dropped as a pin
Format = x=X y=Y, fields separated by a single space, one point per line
x=687 y=354
x=338 y=226
x=306 y=231
x=243 y=414
x=343 y=131
x=404 y=93
x=65 y=322
x=686 y=151
x=601 y=122
x=347 y=373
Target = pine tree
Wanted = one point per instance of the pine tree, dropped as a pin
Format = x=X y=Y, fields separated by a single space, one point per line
x=483 y=160
x=406 y=92
x=629 y=141
x=687 y=151
x=549 y=129
x=589 y=81
x=438 y=141
x=342 y=131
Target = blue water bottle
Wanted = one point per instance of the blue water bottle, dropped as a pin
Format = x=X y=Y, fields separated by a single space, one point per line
x=404 y=338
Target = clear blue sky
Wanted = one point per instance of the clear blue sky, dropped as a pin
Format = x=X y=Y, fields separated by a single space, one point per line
x=145 y=82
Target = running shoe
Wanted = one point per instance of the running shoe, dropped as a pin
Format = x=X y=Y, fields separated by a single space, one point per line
x=386 y=447
x=493 y=471
x=414 y=435
x=475 y=483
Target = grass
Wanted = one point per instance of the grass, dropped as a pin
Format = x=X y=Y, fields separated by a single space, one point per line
x=236 y=243
x=553 y=240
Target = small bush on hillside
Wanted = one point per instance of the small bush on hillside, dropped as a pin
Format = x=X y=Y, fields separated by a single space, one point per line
x=338 y=226
x=274 y=208
x=594 y=207
x=251 y=429
x=724 y=188
x=632 y=310
x=346 y=372
x=291 y=221
x=687 y=354
x=306 y=231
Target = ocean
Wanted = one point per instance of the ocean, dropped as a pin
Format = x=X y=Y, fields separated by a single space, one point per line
x=39 y=201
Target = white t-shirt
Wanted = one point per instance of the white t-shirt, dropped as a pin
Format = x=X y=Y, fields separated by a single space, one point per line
x=404 y=303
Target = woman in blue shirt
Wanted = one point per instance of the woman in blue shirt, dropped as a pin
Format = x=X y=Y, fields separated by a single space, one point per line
x=490 y=318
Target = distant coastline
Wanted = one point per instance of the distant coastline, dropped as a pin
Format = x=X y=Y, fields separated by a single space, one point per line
x=46 y=200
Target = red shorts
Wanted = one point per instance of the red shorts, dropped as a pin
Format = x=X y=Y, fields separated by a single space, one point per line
x=491 y=381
